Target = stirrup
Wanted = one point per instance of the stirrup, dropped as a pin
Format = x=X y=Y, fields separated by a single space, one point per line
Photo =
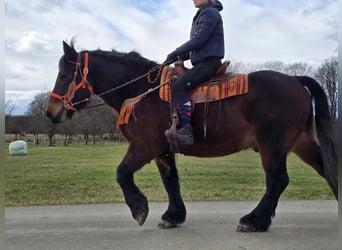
x=185 y=135
x=171 y=132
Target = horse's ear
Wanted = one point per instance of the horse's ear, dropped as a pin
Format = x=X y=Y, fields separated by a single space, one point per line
x=69 y=52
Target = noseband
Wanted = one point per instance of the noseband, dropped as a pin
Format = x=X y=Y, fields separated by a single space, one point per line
x=73 y=87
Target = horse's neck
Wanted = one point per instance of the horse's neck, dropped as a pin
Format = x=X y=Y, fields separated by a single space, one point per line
x=109 y=81
x=117 y=95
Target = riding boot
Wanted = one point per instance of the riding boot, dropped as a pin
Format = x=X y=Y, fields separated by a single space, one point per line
x=185 y=134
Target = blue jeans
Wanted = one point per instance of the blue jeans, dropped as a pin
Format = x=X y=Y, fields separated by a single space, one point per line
x=200 y=73
x=197 y=75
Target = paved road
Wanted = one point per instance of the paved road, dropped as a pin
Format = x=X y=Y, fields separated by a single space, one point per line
x=210 y=225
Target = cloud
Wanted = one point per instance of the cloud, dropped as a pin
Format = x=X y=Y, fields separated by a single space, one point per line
x=148 y=6
x=278 y=30
x=20 y=99
x=32 y=40
x=43 y=6
x=255 y=30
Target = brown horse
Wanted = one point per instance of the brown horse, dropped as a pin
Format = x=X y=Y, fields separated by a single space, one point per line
x=275 y=117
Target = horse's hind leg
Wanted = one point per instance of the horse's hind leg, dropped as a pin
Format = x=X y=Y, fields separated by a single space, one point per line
x=176 y=212
x=259 y=220
x=309 y=151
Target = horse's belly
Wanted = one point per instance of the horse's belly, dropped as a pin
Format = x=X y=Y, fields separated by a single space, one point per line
x=221 y=145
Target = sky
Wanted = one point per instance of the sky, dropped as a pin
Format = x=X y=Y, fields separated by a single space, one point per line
x=256 y=31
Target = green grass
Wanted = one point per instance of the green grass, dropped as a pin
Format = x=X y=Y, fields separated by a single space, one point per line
x=86 y=174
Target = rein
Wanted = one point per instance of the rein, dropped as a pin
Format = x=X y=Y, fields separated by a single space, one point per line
x=73 y=88
x=158 y=67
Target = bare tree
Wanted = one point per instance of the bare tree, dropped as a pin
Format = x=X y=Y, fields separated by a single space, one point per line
x=298 y=69
x=291 y=69
x=326 y=74
x=40 y=123
x=244 y=67
x=38 y=106
x=92 y=123
x=17 y=125
x=9 y=109
x=68 y=129
x=274 y=65
x=110 y=120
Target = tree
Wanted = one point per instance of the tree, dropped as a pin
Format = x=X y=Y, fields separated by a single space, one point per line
x=68 y=129
x=38 y=106
x=326 y=74
x=110 y=121
x=94 y=122
x=40 y=123
x=244 y=67
x=9 y=109
x=298 y=69
x=291 y=69
x=17 y=125
x=274 y=65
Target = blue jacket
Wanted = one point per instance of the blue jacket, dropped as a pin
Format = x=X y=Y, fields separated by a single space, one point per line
x=206 y=37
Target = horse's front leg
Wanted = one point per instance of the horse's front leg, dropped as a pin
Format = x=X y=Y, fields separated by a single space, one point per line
x=135 y=199
x=176 y=212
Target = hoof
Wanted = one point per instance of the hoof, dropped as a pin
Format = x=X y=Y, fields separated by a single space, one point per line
x=245 y=229
x=141 y=217
x=251 y=223
x=166 y=225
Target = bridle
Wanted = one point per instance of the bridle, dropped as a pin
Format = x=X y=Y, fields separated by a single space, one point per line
x=66 y=99
x=73 y=87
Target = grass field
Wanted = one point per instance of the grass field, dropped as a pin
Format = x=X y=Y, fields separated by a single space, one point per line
x=86 y=174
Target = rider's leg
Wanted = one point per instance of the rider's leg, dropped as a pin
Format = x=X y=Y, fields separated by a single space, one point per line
x=193 y=78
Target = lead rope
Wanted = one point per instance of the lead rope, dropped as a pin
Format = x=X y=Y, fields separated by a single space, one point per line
x=158 y=67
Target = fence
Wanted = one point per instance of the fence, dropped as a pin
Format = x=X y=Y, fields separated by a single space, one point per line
x=62 y=140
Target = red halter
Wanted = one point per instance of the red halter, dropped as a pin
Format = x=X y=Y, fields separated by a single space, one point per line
x=67 y=98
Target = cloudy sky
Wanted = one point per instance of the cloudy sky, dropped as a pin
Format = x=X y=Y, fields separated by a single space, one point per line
x=256 y=31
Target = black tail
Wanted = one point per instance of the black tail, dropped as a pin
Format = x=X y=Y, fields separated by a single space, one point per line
x=325 y=131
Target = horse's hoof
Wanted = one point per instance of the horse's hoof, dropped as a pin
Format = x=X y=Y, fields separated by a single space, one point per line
x=251 y=223
x=166 y=225
x=245 y=229
x=141 y=217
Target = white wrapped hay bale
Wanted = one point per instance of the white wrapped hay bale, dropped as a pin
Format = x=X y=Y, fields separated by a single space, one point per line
x=18 y=148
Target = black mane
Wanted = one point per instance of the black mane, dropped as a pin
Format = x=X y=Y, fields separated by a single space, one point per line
x=128 y=58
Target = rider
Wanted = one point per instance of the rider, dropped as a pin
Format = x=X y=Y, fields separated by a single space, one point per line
x=205 y=49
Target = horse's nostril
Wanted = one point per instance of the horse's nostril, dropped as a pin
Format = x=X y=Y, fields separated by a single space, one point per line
x=49 y=115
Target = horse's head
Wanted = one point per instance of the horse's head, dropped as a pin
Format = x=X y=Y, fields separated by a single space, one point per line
x=72 y=90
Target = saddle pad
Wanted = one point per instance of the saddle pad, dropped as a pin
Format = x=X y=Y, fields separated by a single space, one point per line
x=216 y=89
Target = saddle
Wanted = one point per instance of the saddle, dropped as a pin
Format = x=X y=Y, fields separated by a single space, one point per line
x=222 y=85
